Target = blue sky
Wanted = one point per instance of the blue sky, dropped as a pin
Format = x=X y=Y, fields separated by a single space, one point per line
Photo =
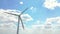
x=38 y=12
x=42 y=11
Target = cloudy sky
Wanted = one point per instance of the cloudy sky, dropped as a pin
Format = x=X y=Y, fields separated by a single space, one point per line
x=41 y=17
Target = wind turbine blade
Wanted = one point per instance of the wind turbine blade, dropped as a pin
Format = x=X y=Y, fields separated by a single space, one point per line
x=22 y=22
x=23 y=11
x=11 y=13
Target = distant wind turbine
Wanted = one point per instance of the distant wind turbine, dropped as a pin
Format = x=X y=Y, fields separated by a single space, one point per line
x=19 y=19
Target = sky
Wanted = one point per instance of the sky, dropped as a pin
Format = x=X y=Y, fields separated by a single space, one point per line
x=42 y=16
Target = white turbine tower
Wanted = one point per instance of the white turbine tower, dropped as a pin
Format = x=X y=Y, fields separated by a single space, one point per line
x=19 y=19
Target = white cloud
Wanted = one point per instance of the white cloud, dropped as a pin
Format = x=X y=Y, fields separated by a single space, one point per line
x=26 y=17
x=51 y=4
x=53 y=20
x=10 y=28
x=21 y=2
x=11 y=18
x=48 y=28
x=32 y=8
x=7 y=28
x=38 y=28
x=7 y=25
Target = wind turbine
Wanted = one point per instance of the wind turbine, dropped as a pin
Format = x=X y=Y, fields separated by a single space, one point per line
x=19 y=19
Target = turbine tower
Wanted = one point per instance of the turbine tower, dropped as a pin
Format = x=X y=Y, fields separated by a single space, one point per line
x=19 y=19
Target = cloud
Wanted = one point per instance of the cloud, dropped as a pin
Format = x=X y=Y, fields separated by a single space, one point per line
x=26 y=17
x=51 y=26
x=54 y=20
x=10 y=28
x=11 y=18
x=7 y=28
x=21 y=3
x=33 y=9
x=51 y=4
x=8 y=22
